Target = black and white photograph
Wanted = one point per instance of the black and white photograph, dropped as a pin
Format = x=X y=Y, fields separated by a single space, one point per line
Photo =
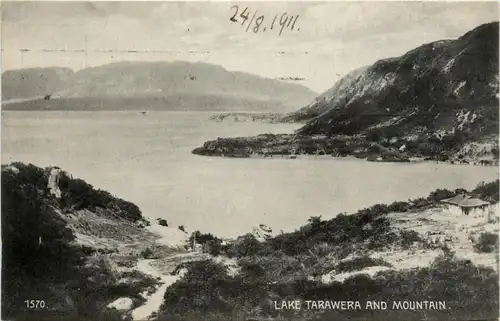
x=250 y=161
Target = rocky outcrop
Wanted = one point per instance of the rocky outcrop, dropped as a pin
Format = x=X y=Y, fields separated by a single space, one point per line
x=122 y=304
x=262 y=232
x=53 y=184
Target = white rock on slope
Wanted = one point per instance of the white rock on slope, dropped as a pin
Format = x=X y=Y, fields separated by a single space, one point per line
x=122 y=304
x=53 y=184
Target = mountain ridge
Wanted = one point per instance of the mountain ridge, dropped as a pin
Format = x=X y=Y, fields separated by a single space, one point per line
x=121 y=80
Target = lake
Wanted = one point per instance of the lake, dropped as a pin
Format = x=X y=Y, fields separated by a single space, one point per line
x=148 y=160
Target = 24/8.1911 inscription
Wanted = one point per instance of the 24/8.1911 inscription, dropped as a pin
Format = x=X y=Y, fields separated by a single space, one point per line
x=261 y=24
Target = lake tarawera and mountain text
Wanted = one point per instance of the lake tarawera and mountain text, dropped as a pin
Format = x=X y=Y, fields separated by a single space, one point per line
x=357 y=305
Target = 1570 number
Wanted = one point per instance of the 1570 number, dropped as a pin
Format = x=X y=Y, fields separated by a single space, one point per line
x=35 y=304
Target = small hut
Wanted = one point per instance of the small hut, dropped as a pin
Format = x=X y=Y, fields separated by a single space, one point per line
x=467 y=204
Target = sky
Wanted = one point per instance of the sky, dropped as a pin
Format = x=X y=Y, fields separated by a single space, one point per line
x=329 y=38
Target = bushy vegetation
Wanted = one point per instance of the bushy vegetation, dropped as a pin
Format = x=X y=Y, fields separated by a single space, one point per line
x=366 y=226
x=280 y=269
x=408 y=237
x=487 y=243
x=487 y=191
x=40 y=259
x=245 y=245
x=470 y=292
x=162 y=222
x=147 y=253
x=210 y=243
x=77 y=194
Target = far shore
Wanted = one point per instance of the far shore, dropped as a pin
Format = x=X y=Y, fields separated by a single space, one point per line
x=353 y=158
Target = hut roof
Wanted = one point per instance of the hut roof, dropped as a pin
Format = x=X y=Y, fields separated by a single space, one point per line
x=465 y=201
x=473 y=202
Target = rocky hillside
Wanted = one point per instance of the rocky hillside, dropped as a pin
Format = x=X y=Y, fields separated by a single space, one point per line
x=170 y=85
x=34 y=82
x=436 y=89
x=440 y=100
x=333 y=96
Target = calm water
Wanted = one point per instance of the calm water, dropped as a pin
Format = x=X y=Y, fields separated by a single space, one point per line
x=148 y=160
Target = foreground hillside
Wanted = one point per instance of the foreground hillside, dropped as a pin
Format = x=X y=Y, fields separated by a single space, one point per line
x=82 y=251
x=92 y=256
x=161 y=86
x=413 y=251
x=439 y=101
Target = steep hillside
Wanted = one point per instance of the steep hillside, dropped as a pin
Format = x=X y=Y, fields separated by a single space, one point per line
x=34 y=82
x=333 y=96
x=437 y=89
x=171 y=85
x=440 y=100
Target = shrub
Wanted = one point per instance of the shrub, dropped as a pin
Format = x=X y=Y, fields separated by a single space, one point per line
x=494 y=151
x=487 y=191
x=77 y=194
x=408 y=237
x=440 y=194
x=202 y=238
x=399 y=207
x=147 y=253
x=162 y=222
x=214 y=247
x=246 y=245
x=443 y=158
x=486 y=243
x=199 y=290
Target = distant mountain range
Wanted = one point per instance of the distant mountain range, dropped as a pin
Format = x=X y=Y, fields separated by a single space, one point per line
x=440 y=100
x=149 y=85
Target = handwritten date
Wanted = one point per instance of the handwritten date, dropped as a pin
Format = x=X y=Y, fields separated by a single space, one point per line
x=281 y=22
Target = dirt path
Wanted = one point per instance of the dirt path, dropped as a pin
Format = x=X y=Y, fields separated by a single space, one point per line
x=161 y=268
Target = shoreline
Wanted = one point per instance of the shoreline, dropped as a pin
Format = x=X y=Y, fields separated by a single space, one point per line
x=354 y=158
x=294 y=146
